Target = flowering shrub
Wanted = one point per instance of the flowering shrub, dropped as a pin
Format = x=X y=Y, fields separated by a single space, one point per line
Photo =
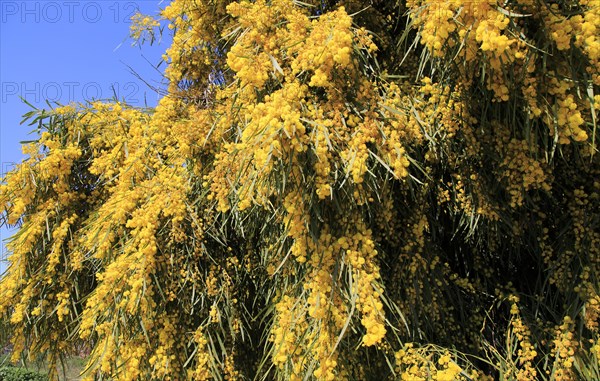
x=353 y=190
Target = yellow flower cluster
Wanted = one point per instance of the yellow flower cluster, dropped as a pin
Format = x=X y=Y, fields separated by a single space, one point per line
x=489 y=39
x=202 y=371
x=526 y=353
x=324 y=305
x=296 y=221
x=577 y=30
x=565 y=120
x=142 y=26
x=290 y=323
x=429 y=363
x=328 y=46
x=194 y=51
x=592 y=313
x=360 y=253
x=565 y=346
x=522 y=171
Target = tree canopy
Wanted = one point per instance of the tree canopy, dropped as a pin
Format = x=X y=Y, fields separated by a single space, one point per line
x=348 y=190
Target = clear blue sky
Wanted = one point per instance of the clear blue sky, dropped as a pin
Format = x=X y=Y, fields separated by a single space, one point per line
x=69 y=51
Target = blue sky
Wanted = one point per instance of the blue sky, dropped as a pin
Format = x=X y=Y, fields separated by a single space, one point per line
x=70 y=51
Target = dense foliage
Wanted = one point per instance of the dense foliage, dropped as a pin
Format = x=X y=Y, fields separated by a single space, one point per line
x=9 y=373
x=359 y=190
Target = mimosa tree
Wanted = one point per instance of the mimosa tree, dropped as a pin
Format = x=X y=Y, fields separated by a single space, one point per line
x=330 y=190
